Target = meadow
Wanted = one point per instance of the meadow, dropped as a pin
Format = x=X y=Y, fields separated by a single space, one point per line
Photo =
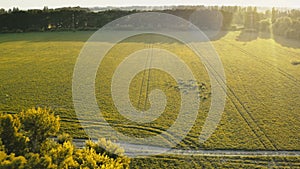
x=262 y=104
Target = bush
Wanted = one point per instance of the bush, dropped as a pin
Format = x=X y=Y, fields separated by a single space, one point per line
x=62 y=138
x=104 y=146
x=27 y=135
x=11 y=161
x=38 y=124
x=11 y=138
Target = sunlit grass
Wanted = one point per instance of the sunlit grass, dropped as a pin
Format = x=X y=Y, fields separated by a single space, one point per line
x=36 y=70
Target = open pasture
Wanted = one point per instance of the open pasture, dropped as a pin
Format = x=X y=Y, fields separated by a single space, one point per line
x=263 y=83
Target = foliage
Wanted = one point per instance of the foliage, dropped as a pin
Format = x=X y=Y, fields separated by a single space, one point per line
x=91 y=159
x=64 y=137
x=281 y=25
x=285 y=22
x=70 y=19
x=11 y=161
x=251 y=18
x=104 y=146
x=37 y=161
x=11 y=138
x=287 y=26
x=56 y=19
x=109 y=149
x=38 y=125
x=36 y=151
x=265 y=25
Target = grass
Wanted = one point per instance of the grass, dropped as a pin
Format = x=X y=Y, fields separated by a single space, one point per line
x=266 y=82
x=215 y=162
x=261 y=112
x=36 y=70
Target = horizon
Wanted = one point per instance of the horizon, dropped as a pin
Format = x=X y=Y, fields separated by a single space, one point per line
x=31 y=4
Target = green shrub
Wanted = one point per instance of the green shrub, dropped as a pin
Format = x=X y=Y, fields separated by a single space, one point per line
x=38 y=124
x=27 y=134
x=64 y=138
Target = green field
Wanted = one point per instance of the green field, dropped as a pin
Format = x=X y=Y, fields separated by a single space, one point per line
x=261 y=112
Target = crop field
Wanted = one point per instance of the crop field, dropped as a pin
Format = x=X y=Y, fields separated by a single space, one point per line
x=262 y=82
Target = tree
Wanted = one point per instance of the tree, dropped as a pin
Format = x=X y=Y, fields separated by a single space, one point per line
x=45 y=9
x=264 y=25
x=274 y=14
x=15 y=9
x=2 y=11
x=282 y=25
x=251 y=18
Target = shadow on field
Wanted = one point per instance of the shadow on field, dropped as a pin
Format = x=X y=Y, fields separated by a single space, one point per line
x=83 y=36
x=218 y=36
x=286 y=42
x=247 y=35
x=292 y=43
x=150 y=38
x=264 y=35
x=79 y=36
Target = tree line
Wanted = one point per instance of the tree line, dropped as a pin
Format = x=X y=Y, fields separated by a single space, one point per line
x=76 y=18
x=279 y=22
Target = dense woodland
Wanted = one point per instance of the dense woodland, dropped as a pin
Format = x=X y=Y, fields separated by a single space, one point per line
x=278 y=22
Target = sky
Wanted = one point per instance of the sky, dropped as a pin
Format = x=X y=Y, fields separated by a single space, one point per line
x=39 y=4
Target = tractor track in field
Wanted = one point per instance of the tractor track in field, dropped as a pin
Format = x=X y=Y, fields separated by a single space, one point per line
x=235 y=160
x=242 y=110
x=252 y=119
x=244 y=113
x=238 y=104
x=152 y=129
x=143 y=80
x=281 y=71
x=147 y=72
x=149 y=150
x=295 y=54
x=268 y=138
x=270 y=65
x=257 y=58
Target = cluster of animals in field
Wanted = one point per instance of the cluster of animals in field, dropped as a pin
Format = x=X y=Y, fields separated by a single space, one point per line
x=190 y=86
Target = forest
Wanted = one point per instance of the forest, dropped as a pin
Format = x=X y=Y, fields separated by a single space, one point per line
x=280 y=22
